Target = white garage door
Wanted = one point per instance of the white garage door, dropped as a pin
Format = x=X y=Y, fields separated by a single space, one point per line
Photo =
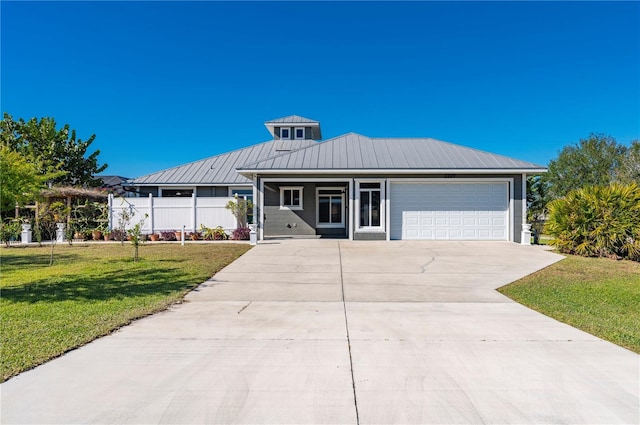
x=450 y=211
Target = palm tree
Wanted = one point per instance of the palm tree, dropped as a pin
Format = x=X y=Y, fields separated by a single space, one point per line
x=538 y=196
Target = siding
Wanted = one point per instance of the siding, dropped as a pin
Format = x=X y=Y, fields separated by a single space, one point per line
x=279 y=222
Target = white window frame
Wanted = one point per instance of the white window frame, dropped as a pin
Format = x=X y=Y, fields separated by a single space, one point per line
x=295 y=133
x=292 y=188
x=382 y=226
x=340 y=225
x=288 y=133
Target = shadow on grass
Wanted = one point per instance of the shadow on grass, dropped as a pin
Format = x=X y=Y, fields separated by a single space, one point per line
x=114 y=285
x=31 y=259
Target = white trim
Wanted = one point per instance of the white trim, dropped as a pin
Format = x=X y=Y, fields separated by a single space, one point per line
x=295 y=133
x=524 y=198
x=182 y=185
x=291 y=207
x=255 y=196
x=279 y=123
x=511 y=213
x=288 y=131
x=351 y=171
x=350 y=209
x=370 y=229
x=509 y=181
x=261 y=212
x=340 y=225
x=304 y=179
x=387 y=203
x=452 y=180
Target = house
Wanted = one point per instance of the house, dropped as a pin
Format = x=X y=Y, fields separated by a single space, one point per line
x=113 y=184
x=361 y=188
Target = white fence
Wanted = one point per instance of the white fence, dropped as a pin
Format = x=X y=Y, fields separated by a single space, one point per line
x=161 y=214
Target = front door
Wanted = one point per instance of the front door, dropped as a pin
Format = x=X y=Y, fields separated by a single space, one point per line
x=330 y=207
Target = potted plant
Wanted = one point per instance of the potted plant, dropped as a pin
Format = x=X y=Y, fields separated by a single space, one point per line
x=213 y=234
x=168 y=235
x=194 y=236
x=154 y=237
x=219 y=234
x=241 y=234
x=97 y=233
x=106 y=235
x=78 y=235
x=178 y=234
x=118 y=235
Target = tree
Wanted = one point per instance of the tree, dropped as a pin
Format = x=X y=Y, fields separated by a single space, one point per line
x=49 y=215
x=538 y=197
x=53 y=150
x=629 y=170
x=591 y=162
x=240 y=207
x=20 y=179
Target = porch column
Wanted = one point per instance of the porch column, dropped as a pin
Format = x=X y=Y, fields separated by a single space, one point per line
x=352 y=210
x=261 y=211
x=525 y=236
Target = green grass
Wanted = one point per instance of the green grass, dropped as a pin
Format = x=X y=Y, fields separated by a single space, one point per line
x=598 y=295
x=90 y=291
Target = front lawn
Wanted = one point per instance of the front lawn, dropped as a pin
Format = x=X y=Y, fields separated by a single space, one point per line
x=91 y=291
x=598 y=295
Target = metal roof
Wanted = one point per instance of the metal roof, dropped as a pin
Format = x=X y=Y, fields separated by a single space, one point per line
x=350 y=152
x=219 y=169
x=292 y=119
x=356 y=152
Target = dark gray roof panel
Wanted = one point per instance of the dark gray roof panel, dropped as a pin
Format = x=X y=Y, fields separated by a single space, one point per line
x=357 y=152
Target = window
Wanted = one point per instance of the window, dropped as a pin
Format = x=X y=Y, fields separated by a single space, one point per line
x=285 y=133
x=330 y=207
x=299 y=133
x=370 y=205
x=176 y=193
x=291 y=197
x=242 y=192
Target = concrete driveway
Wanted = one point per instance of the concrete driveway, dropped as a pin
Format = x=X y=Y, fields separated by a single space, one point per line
x=328 y=331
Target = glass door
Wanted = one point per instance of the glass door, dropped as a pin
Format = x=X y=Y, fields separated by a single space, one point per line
x=330 y=211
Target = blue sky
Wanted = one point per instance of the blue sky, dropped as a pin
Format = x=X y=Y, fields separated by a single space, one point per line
x=165 y=83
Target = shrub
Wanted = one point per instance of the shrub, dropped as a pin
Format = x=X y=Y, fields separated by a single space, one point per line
x=241 y=234
x=168 y=235
x=118 y=235
x=597 y=221
x=217 y=233
x=10 y=231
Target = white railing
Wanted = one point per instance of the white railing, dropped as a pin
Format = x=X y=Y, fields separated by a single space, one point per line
x=161 y=214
